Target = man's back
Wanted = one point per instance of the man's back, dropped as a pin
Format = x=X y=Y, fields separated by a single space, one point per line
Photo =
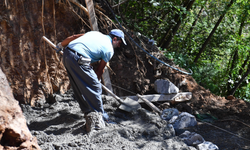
x=94 y=45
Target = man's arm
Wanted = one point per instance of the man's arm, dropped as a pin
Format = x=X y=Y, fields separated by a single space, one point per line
x=100 y=69
x=69 y=39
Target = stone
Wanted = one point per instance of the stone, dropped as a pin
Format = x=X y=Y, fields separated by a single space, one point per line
x=14 y=132
x=165 y=87
x=207 y=146
x=169 y=131
x=191 y=138
x=184 y=120
x=167 y=114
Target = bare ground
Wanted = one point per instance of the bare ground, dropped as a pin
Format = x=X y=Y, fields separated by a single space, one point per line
x=61 y=126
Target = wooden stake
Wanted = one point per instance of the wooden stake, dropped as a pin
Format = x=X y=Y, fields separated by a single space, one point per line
x=92 y=18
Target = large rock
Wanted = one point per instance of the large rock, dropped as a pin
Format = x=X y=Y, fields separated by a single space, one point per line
x=14 y=133
x=167 y=114
x=182 y=121
x=192 y=138
x=165 y=87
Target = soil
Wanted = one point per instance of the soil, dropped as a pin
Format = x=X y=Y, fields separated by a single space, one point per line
x=61 y=125
x=230 y=127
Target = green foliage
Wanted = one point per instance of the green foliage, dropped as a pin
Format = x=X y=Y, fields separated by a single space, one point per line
x=216 y=66
x=206 y=73
x=151 y=17
x=212 y=71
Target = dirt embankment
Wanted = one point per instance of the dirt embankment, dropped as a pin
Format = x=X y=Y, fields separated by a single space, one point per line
x=35 y=71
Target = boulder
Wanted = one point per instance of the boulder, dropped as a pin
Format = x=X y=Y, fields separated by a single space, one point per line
x=207 y=146
x=14 y=133
x=192 y=138
x=165 y=87
x=182 y=121
x=167 y=114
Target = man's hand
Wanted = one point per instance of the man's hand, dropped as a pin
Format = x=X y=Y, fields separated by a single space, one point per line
x=100 y=69
x=59 y=47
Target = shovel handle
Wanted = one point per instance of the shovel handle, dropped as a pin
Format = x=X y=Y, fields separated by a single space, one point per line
x=111 y=93
x=50 y=43
x=151 y=105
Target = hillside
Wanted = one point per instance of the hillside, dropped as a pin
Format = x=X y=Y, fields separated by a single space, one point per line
x=38 y=79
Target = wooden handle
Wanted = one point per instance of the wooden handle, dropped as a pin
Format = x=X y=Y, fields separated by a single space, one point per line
x=151 y=105
x=111 y=93
x=49 y=42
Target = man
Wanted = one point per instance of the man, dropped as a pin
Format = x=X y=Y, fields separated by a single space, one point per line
x=81 y=51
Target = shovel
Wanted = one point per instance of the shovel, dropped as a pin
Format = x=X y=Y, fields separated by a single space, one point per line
x=127 y=105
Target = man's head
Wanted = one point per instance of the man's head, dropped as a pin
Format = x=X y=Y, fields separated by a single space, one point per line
x=117 y=37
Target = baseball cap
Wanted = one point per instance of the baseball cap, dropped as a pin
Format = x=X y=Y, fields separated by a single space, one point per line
x=118 y=33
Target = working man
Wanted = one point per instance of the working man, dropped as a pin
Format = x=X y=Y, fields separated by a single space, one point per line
x=80 y=51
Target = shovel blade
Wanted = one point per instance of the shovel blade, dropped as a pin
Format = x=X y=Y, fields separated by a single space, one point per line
x=129 y=105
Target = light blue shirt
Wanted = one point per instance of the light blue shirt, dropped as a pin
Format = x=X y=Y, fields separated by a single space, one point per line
x=94 y=45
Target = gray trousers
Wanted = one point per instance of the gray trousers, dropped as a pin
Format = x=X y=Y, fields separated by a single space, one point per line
x=87 y=89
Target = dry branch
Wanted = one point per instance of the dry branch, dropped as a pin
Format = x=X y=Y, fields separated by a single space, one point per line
x=119 y=4
x=80 y=6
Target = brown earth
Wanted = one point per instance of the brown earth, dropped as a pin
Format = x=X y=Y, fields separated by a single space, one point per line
x=35 y=71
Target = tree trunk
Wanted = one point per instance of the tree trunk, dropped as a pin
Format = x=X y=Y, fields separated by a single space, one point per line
x=235 y=57
x=244 y=64
x=212 y=32
x=165 y=36
x=240 y=33
x=175 y=29
x=194 y=23
x=154 y=31
x=236 y=86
